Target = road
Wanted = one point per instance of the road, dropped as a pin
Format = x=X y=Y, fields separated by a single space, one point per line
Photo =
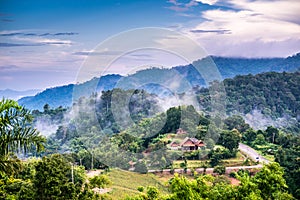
x=252 y=154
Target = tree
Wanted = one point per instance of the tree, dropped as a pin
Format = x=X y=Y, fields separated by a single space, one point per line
x=16 y=132
x=246 y=187
x=173 y=120
x=230 y=139
x=289 y=159
x=16 y=189
x=260 y=139
x=272 y=134
x=236 y=122
x=53 y=178
x=201 y=132
x=46 y=108
x=141 y=167
x=270 y=181
x=210 y=143
x=152 y=193
x=249 y=136
x=182 y=188
x=215 y=157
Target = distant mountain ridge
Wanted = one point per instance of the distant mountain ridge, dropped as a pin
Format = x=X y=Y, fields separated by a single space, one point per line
x=15 y=95
x=63 y=95
x=184 y=76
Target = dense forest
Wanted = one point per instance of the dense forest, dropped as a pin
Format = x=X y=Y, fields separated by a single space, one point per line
x=275 y=94
x=272 y=95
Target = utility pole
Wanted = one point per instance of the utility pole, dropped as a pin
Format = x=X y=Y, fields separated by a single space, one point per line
x=92 y=163
x=72 y=172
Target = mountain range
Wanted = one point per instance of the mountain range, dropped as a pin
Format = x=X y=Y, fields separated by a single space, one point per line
x=15 y=95
x=161 y=81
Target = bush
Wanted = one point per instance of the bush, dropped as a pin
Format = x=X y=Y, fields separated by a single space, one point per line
x=232 y=174
x=152 y=192
x=141 y=167
x=100 y=181
x=246 y=162
x=140 y=189
x=220 y=169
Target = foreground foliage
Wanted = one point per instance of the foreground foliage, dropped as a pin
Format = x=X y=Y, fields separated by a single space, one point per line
x=16 y=134
x=52 y=177
x=266 y=184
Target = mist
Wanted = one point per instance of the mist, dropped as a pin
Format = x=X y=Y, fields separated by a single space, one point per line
x=46 y=126
x=257 y=120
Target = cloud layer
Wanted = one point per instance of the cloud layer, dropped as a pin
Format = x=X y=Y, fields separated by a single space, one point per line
x=256 y=28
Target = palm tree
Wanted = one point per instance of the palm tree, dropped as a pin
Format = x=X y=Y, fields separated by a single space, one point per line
x=16 y=132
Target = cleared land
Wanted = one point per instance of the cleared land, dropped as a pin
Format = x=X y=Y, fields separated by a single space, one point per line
x=125 y=183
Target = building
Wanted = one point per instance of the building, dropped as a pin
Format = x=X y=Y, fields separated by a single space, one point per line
x=187 y=144
x=175 y=145
x=180 y=131
x=191 y=144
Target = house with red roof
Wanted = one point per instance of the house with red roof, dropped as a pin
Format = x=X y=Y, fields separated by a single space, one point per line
x=187 y=144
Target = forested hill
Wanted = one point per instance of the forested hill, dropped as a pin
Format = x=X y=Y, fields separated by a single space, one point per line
x=63 y=95
x=228 y=67
x=275 y=94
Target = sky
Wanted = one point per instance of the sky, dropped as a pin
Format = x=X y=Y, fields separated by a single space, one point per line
x=47 y=43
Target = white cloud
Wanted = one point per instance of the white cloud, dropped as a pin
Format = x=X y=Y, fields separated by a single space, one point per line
x=183 y=7
x=46 y=41
x=269 y=25
x=246 y=25
x=287 y=10
x=209 y=2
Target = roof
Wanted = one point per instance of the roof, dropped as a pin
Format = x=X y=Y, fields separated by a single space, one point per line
x=174 y=144
x=191 y=142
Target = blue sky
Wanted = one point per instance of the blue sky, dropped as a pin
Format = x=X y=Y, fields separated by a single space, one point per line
x=45 y=43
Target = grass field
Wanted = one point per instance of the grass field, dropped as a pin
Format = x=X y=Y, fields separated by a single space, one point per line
x=125 y=183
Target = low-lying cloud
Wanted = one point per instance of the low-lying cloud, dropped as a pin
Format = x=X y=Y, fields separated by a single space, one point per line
x=257 y=120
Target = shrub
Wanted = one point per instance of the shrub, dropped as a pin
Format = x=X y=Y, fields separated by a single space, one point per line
x=100 y=181
x=141 y=167
x=220 y=169
x=140 y=189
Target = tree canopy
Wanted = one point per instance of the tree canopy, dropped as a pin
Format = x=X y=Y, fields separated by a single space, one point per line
x=16 y=132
